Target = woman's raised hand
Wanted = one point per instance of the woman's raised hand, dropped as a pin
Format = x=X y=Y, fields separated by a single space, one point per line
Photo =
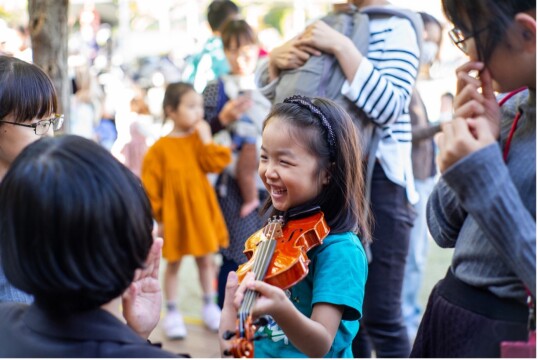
x=461 y=137
x=289 y=55
x=322 y=37
x=475 y=96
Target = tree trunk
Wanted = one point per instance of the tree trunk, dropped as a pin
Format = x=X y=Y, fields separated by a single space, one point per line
x=48 y=31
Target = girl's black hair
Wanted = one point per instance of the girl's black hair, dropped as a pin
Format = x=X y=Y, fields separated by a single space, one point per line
x=26 y=92
x=342 y=199
x=486 y=20
x=173 y=94
x=75 y=224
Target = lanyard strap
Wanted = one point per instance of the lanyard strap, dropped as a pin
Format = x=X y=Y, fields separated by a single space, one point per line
x=514 y=123
x=510 y=136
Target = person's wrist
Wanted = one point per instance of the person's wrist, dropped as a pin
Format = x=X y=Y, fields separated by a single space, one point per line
x=274 y=71
x=222 y=119
x=339 y=47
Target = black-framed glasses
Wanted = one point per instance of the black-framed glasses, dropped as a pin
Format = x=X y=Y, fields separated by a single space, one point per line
x=459 y=38
x=42 y=127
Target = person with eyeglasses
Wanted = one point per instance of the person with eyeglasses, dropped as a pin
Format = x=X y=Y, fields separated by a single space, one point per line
x=484 y=205
x=28 y=111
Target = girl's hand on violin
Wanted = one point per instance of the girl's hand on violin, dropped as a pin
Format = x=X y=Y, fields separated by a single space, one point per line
x=475 y=96
x=270 y=301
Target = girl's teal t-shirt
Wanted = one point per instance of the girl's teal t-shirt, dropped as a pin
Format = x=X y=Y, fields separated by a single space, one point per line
x=337 y=275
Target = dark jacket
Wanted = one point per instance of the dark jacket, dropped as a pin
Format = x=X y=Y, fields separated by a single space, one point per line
x=28 y=331
x=423 y=148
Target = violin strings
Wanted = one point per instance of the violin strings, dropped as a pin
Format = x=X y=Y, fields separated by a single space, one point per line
x=263 y=255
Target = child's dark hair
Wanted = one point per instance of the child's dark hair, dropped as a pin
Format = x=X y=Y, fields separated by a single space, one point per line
x=219 y=11
x=76 y=224
x=335 y=142
x=486 y=20
x=239 y=30
x=430 y=19
x=173 y=94
x=26 y=92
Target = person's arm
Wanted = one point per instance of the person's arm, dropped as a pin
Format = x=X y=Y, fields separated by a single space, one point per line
x=485 y=188
x=445 y=215
x=213 y=158
x=381 y=91
x=247 y=163
x=420 y=133
x=312 y=336
x=287 y=56
x=152 y=178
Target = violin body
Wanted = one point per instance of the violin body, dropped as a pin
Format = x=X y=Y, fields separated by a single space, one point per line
x=290 y=262
x=277 y=255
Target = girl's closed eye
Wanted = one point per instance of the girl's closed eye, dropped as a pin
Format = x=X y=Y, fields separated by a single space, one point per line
x=286 y=162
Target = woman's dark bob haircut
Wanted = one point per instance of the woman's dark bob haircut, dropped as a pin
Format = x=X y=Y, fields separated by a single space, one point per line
x=75 y=224
x=26 y=92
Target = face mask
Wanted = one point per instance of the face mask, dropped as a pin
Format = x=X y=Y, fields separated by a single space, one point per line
x=429 y=52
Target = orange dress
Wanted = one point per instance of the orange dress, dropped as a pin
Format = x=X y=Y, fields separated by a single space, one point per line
x=174 y=174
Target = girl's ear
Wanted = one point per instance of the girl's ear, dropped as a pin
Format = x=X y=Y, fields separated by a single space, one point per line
x=326 y=176
x=527 y=25
x=167 y=111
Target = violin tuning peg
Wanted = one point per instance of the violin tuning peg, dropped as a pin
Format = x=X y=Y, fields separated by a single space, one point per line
x=228 y=335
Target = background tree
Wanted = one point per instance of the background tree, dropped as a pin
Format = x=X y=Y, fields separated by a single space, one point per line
x=48 y=31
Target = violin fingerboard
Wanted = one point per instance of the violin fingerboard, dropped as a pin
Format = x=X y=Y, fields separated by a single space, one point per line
x=273 y=229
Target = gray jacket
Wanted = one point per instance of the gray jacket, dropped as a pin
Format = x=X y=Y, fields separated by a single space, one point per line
x=486 y=209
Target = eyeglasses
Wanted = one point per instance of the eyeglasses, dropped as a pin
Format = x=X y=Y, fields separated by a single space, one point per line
x=460 y=39
x=42 y=126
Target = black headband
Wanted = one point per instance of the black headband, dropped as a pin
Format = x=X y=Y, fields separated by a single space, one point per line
x=305 y=102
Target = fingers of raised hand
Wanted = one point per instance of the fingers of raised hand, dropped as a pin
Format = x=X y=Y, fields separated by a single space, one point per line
x=465 y=69
x=487 y=85
x=468 y=94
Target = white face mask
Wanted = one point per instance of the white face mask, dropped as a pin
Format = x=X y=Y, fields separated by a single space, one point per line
x=429 y=52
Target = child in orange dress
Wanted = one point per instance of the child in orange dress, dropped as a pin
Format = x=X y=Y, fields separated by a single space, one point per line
x=174 y=173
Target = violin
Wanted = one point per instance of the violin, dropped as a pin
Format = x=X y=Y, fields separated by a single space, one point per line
x=277 y=255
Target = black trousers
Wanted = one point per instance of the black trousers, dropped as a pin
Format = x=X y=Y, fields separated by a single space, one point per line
x=382 y=327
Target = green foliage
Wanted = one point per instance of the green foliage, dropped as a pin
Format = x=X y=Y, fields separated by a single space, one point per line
x=275 y=17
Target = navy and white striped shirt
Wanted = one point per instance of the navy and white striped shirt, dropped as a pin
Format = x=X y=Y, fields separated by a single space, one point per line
x=382 y=88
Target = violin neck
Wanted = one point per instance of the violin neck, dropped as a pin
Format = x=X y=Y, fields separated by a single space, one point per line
x=262 y=260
